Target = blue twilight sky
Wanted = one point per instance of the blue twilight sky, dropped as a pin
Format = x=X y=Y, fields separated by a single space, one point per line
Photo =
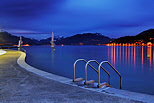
x=113 y=18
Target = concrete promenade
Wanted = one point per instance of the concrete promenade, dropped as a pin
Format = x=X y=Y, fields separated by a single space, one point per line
x=18 y=85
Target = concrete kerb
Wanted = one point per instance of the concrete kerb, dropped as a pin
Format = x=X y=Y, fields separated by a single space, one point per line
x=109 y=91
x=23 y=64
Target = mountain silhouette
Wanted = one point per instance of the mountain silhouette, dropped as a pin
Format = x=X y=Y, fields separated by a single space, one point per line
x=144 y=37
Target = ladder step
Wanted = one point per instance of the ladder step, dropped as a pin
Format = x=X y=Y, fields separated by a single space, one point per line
x=91 y=81
x=92 y=85
x=108 y=85
x=78 y=79
x=104 y=84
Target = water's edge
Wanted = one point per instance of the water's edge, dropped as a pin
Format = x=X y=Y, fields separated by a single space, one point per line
x=109 y=91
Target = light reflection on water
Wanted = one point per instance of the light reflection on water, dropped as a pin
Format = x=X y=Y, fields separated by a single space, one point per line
x=130 y=55
x=132 y=62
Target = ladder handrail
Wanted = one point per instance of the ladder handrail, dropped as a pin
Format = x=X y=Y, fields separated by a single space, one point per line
x=86 y=70
x=74 y=67
x=113 y=69
x=75 y=64
x=94 y=69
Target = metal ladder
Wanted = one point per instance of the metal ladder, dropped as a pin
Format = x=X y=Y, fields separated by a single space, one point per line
x=98 y=72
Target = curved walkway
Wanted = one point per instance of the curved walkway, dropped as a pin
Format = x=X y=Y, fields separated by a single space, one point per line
x=19 y=85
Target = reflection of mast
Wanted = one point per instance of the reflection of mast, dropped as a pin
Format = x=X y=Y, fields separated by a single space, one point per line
x=52 y=41
x=52 y=56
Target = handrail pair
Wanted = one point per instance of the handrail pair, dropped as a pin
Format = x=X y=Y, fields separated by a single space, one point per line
x=95 y=70
x=87 y=63
x=75 y=64
x=113 y=69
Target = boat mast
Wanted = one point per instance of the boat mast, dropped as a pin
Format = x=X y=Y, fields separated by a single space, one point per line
x=20 y=43
x=52 y=41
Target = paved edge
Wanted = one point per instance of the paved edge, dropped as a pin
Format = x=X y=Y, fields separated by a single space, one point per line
x=2 y=52
x=109 y=91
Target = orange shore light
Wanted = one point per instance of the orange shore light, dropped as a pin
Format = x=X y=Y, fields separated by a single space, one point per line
x=23 y=45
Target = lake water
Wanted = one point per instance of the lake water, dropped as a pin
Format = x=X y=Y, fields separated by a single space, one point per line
x=135 y=63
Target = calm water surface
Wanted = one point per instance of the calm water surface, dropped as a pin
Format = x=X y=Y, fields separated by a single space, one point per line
x=136 y=69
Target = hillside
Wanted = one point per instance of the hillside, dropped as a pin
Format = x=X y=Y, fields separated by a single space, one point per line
x=143 y=37
x=85 y=39
x=8 y=39
x=78 y=39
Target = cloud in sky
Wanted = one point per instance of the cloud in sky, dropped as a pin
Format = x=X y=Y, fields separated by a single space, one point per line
x=113 y=18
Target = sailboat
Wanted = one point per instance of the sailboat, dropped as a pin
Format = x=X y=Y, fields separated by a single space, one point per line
x=20 y=42
x=52 y=41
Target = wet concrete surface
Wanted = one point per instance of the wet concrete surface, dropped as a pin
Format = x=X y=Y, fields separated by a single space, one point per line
x=19 y=85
